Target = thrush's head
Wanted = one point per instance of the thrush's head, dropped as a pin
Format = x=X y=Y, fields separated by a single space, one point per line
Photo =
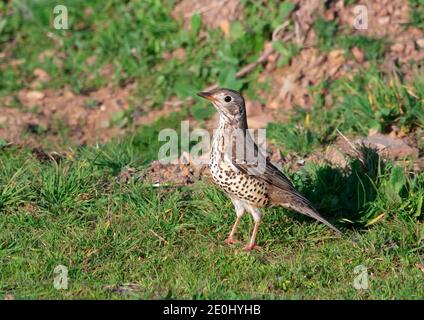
x=229 y=103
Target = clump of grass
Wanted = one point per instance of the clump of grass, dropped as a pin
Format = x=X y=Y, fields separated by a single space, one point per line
x=292 y=138
x=116 y=155
x=368 y=101
x=326 y=32
x=66 y=187
x=416 y=11
x=14 y=183
x=137 y=149
x=398 y=195
x=379 y=104
x=363 y=193
x=372 y=48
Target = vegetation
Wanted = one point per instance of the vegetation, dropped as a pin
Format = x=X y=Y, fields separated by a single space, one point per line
x=169 y=242
x=108 y=233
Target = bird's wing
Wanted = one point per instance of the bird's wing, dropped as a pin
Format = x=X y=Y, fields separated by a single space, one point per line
x=281 y=189
x=254 y=162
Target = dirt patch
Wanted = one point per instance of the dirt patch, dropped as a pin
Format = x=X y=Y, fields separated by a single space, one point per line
x=215 y=13
x=52 y=118
x=180 y=173
x=32 y=116
x=291 y=84
x=388 y=147
x=389 y=20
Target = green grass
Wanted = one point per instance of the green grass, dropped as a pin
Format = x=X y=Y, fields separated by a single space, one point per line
x=416 y=8
x=291 y=138
x=372 y=48
x=132 y=39
x=372 y=101
x=169 y=241
x=330 y=36
x=326 y=32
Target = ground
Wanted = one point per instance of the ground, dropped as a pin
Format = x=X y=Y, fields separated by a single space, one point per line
x=80 y=114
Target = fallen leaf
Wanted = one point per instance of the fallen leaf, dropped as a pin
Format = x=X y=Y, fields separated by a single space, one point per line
x=34 y=95
x=41 y=75
x=420 y=266
x=123 y=288
x=225 y=27
x=376 y=219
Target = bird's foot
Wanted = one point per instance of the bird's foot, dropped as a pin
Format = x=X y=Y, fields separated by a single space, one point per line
x=231 y=240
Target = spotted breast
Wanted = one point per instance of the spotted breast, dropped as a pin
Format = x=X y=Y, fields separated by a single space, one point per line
x=231 y=180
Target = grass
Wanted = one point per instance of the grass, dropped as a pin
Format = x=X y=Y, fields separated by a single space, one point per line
x=330 y=36
x=417 y=13
x=326 y=31
x=72 y=211
x=369 y=101
x=372 y=48
x=134 y=40
x=292 y=138
x=170 y=241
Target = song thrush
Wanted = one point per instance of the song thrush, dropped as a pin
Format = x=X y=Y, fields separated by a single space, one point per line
x=250 y=179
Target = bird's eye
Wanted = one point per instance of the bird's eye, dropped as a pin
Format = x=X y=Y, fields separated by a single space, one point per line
x=227 y=98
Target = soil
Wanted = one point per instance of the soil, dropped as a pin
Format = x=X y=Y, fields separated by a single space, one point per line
x=34 y=116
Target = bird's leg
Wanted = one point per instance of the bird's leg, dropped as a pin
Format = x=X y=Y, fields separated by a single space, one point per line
x=230 y=239
x=238 y=206
x=257 y=217
x=252 y=244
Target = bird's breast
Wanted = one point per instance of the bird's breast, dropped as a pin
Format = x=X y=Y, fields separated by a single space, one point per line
x=234 y=182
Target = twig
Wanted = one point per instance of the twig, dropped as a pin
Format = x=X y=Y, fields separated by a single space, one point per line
x=277 y=30
x=158 y=236
x=352 y=146
x=297 y=33
x=247 y=69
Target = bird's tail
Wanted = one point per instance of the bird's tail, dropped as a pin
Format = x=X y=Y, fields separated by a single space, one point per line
x=295 y=201
x=313 y=213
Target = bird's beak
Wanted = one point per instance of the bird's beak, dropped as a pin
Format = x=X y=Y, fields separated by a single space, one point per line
x=207 y=96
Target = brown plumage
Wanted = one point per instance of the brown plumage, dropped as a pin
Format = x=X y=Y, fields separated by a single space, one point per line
x=240 y=168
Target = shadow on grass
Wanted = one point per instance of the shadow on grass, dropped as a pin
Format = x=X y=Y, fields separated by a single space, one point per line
x=343 y=194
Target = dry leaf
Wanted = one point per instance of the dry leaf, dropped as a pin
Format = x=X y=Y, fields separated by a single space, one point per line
x=376 y=219
x=225 y=27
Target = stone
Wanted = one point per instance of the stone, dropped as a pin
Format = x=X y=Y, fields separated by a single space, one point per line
x=41 y=75
x=34 y=96
x=388 y=146
x=420 y=43
x=384 y=20
x=358 y=54
x=397 y=47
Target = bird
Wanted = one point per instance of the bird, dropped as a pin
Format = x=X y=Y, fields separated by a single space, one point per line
x=248 y=177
